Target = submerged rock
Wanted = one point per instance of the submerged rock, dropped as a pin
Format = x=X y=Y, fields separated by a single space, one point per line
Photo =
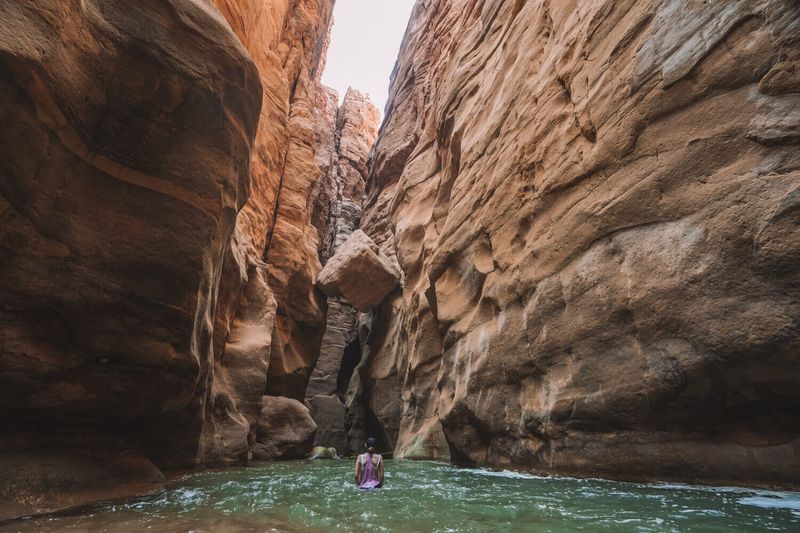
x=33 y=482
x=322 y=452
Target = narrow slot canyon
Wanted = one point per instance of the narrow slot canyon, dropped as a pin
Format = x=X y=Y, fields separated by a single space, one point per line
x=568 y=245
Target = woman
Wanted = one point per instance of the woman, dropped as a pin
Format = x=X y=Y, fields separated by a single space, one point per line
x=369 y=467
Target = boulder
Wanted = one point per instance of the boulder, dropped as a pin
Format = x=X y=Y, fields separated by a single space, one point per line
x=359 y=272
x=321 y=452
x=328 y=413
x=285 y=430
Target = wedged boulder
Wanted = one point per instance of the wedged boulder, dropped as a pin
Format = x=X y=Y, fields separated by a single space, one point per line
x=359 y=272
x=285 y=430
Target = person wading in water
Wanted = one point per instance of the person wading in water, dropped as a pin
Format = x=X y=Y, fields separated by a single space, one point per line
x=369 y=467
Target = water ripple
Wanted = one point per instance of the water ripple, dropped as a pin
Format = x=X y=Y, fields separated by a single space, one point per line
x=425 y=496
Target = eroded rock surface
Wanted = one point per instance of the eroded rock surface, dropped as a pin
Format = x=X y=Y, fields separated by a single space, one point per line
x=595 y=209
x=124 y=154
x=285 y=430
x=337 y=215
x=359 y=272
x=139 y=313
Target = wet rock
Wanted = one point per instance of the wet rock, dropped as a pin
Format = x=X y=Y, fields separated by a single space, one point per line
x=285 y=430
x=321 y=452
x=359 y=272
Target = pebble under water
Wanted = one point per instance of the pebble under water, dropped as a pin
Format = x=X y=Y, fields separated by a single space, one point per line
x=426 y=496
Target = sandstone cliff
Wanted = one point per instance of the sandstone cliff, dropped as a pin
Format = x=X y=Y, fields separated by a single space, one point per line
x=141 y=320
x=270 y=318
x=595 y=208
x=125 y=148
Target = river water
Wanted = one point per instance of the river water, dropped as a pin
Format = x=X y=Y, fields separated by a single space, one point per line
x=425 y=497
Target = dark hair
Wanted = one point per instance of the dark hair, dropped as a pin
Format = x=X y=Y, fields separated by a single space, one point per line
x=371 y=442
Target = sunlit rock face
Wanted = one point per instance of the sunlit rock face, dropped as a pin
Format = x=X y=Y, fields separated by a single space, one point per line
x=124 y=158
x=275 y=238
x=595 y=208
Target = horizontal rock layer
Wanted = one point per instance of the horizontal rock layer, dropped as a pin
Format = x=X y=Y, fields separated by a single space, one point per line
x=595 y=209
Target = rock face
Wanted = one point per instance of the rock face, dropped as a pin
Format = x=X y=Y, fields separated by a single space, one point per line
x=275 y=238
x=45 y=481
x=359 y=272
x=124 y=160
x=595 y=207
x=337 y=215
x=285 y=430
x=140 y=316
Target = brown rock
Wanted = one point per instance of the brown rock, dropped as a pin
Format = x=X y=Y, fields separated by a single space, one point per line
x=134 y=301
x=359 y=272
x=338 y=215
x=123 y=167
x=292 y=152
x=595 y=212
x=328 y=413
x=285 y=430
x=36 y=482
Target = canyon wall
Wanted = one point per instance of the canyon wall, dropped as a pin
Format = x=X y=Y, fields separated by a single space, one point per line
x=158 y=244
x=595 y=209
x=270 y=319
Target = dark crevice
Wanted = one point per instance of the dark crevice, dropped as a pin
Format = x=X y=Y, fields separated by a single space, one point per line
x=350 y=359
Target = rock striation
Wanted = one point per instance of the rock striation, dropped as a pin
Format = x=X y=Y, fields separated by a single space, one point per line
x=124 y=160
x=337 y=216
x=595 y=209
x=161 y=235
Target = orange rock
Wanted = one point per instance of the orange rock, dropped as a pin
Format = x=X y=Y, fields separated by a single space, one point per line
x=128 y=128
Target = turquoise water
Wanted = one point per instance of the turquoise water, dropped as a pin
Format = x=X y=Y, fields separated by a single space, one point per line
x=423 y=497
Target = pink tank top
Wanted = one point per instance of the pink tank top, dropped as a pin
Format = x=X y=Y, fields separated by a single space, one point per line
x=369 y=471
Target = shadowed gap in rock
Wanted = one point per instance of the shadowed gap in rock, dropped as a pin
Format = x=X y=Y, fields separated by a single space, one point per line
x=350 y=359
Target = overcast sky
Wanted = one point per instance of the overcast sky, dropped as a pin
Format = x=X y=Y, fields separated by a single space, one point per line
x=364 y=44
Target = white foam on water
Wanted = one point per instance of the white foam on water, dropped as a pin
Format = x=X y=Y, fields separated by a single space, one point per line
x=502 y=473
x=769 y=502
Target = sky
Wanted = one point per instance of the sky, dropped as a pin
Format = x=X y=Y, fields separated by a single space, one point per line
x=364 y=44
